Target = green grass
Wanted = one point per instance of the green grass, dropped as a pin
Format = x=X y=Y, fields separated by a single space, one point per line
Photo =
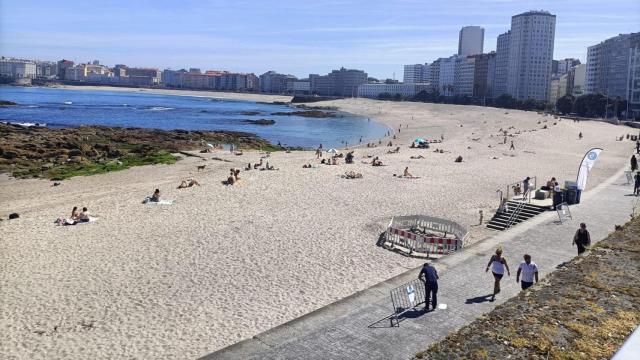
x=66 y=171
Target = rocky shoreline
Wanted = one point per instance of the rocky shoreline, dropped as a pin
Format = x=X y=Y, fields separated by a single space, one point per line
x=60 y=153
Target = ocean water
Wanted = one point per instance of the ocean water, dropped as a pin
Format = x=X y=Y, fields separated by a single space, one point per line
x=66 y=108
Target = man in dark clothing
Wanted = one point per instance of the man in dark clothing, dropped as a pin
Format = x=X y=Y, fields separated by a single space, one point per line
x=582 y=238
x=429 y=276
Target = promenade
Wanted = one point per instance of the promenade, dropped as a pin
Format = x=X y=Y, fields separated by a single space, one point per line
x=357 y=327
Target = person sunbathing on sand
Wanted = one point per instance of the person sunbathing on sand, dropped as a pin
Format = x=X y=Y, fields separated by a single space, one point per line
x=75 y=215
x=188 y=183
x=84 y=215
x=156 y=196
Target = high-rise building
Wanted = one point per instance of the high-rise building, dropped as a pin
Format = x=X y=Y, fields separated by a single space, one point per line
x=612 y=69
x=501 y=71
x=579 y=79
x=343 y=82
x=417 y=74
x=470 y=40
x=561 y=67
x=481 y=74
x=531 y=55
x=463 y=76
x=447 y=76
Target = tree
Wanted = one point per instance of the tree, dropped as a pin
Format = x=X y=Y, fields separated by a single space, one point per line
x=591 y=105
x=397 y=97
x=505 y=101
x=384 y=96
x=565 y=104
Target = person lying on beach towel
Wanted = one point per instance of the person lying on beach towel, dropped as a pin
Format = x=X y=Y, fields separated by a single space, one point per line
x=153 y=198
x=408 y=175
x=351 y=175
x=416 y=157
x=188 y=183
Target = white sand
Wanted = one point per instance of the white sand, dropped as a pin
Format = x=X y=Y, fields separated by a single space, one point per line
x=203 y=93
x=224 y=263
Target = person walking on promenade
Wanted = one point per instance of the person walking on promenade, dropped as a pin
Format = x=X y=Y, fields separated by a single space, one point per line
x=429 y=276
x=529 y=271
x=498 y=264
x=582 y=238
x=636 y=185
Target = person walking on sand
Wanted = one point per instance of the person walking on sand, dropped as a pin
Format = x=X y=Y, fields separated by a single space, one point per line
x=512 y=147
x=636 y=185
x=430 y=277
x=498 y=264
x=634 y=163
x=529 y=271
x=582 y=238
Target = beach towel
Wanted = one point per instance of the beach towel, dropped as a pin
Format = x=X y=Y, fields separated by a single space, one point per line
x=161 y=202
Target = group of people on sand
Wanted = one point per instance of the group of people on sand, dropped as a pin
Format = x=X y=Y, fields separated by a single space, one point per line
x=257 y=166
x=76 y=217
x=188 y=183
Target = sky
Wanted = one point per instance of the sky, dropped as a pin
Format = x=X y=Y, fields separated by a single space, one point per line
x=290 y=36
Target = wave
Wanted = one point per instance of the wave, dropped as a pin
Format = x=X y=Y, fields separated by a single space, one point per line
x=32 y=106
x=161 y=108
x=68 y=102
x=25 y=124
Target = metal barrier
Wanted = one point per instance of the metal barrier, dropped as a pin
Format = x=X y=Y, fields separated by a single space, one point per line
x=406 y=297
x=405 y=231
x=563 y=211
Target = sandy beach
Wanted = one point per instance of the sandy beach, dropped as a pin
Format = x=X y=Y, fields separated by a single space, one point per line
x=224 y=263
x=180 y=92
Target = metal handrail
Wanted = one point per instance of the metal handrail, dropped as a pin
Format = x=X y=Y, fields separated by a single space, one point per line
x=528 y=194
x=515 y=213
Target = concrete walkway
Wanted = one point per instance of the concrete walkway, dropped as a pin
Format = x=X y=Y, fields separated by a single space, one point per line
x=357 y=327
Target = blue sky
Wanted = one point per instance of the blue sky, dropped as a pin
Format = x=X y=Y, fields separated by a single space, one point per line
x=297 y=37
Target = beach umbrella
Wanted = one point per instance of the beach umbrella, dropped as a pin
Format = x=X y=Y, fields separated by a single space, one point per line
x=209 y=145
x=419 y=140
x=332 y=151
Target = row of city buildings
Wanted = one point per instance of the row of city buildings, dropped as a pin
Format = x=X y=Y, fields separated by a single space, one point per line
x=342 y=82
x=522 y=66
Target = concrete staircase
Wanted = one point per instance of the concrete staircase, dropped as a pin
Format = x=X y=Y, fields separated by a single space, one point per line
x=500 y=221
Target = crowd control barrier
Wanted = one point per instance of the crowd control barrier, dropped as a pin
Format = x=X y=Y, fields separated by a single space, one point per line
x=425 y=235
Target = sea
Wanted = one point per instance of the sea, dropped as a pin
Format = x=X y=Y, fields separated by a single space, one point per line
x=59 y=108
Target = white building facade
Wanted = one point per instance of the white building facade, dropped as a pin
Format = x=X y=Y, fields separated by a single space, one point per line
x=405 y=90
x=17 y=68
x=531 y=55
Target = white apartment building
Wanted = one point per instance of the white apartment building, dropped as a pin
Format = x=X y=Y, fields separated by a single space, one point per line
x=405 y=90
x=446 y=78
x=501 y=69
x=531 y=55
x=464 y=76
x=579 y=80
x=417 y=73
x=471 y=40
x=17 y=68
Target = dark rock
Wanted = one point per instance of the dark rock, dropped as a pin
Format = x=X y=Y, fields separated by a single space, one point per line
x=260 y=122
x=13 y=216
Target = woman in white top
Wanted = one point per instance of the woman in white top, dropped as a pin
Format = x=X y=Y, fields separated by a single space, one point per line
x=498 y=264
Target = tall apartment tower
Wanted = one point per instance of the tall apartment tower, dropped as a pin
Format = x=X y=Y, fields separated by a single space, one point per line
x=471 y=40
x=531 y=55
x=613 y=69
x=501 y=70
